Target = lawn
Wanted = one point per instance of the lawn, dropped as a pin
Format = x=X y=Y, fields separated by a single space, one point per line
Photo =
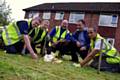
x=17 y=67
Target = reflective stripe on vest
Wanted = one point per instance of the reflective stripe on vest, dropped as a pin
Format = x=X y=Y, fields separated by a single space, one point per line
x=11 y=34
x=42 y=37
x=57 y=35
x=109 y=52
x=7 y=36
x=36 y=33
x=17 y=29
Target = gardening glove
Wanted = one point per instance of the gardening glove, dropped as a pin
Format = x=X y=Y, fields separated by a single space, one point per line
x=76 y=65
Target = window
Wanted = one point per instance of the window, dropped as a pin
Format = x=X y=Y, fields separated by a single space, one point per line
x=59 y=15
x=111 y=41
x=36 y=15
x=46 y=15
x=108 y=20
x=74 y=17
x=33 y=14
x=30 y=15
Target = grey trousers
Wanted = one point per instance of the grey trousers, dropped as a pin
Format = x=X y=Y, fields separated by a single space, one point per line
x=105 y=66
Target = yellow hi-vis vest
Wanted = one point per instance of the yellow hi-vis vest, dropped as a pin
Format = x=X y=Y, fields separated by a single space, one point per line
x=109 y=52
x=11 y=33
x=37 y=31
x=57 y=35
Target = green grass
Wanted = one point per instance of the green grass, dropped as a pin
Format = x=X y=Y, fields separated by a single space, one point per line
x=17 y=67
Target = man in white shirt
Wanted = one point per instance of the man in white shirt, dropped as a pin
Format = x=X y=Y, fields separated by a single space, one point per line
x=110 y=61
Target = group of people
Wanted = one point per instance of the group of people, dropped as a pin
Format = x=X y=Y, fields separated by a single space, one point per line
x=86 y=42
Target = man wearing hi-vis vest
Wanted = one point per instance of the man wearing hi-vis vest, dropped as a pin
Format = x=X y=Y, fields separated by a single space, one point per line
x=60 y=38
x=110 y=61
x=16 y=34
x=38 y=36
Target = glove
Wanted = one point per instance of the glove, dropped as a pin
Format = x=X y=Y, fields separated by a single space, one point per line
x=55 y=60
x=76 y=65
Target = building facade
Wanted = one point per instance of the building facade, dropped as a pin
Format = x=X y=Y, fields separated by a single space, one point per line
x=104 y=16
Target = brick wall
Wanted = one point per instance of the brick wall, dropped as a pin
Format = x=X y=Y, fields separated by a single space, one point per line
x=117 y=35
x=92 y=20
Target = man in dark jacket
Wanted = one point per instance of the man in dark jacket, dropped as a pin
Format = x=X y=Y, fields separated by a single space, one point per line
x=81 y=41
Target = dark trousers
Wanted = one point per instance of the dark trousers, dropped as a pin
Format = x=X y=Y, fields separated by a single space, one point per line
x=15 y=48
x=76 y=50
x=105 y=66
x=64 y=48
x=2 y=45
x=18 y=47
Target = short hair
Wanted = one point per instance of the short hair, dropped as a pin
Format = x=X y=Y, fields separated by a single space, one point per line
x=65 y=21
x=46 y=21
x=81 y=20
x=37 y=18
x=94 y=28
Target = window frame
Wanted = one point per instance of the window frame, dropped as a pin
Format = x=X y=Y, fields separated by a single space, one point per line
x=111 y=39
x=56 y=18
x=33 y=14
x=46 y=18
x=111 y=24
x=74 y=13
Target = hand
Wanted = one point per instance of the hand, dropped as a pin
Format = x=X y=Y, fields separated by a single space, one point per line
x=78 y=44
x=62 y=40
x=54 y=44
x=82 y=48
x=34 y=56
x=81 y=64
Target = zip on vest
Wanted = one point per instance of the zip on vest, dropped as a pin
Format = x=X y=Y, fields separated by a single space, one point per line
x=42 y=36
x=57 y=35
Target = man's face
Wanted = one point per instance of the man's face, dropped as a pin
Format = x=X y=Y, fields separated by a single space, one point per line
x=91 y=33
x=35 y=23
x=80 y=25
x=64 y=24
x=45 y=24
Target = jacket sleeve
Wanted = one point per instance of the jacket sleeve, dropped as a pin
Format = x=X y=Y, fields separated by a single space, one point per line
x=68 y=37
x=74 y=37
x=23 y=27
x=52 y=33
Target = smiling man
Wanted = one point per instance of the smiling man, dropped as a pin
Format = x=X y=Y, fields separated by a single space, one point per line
x=110 y=61
x=16 y=34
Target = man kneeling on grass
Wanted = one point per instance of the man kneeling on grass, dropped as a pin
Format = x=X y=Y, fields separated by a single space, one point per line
x=37 y=37
x=16 y=33
x=59 y=39
x=109 y=61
